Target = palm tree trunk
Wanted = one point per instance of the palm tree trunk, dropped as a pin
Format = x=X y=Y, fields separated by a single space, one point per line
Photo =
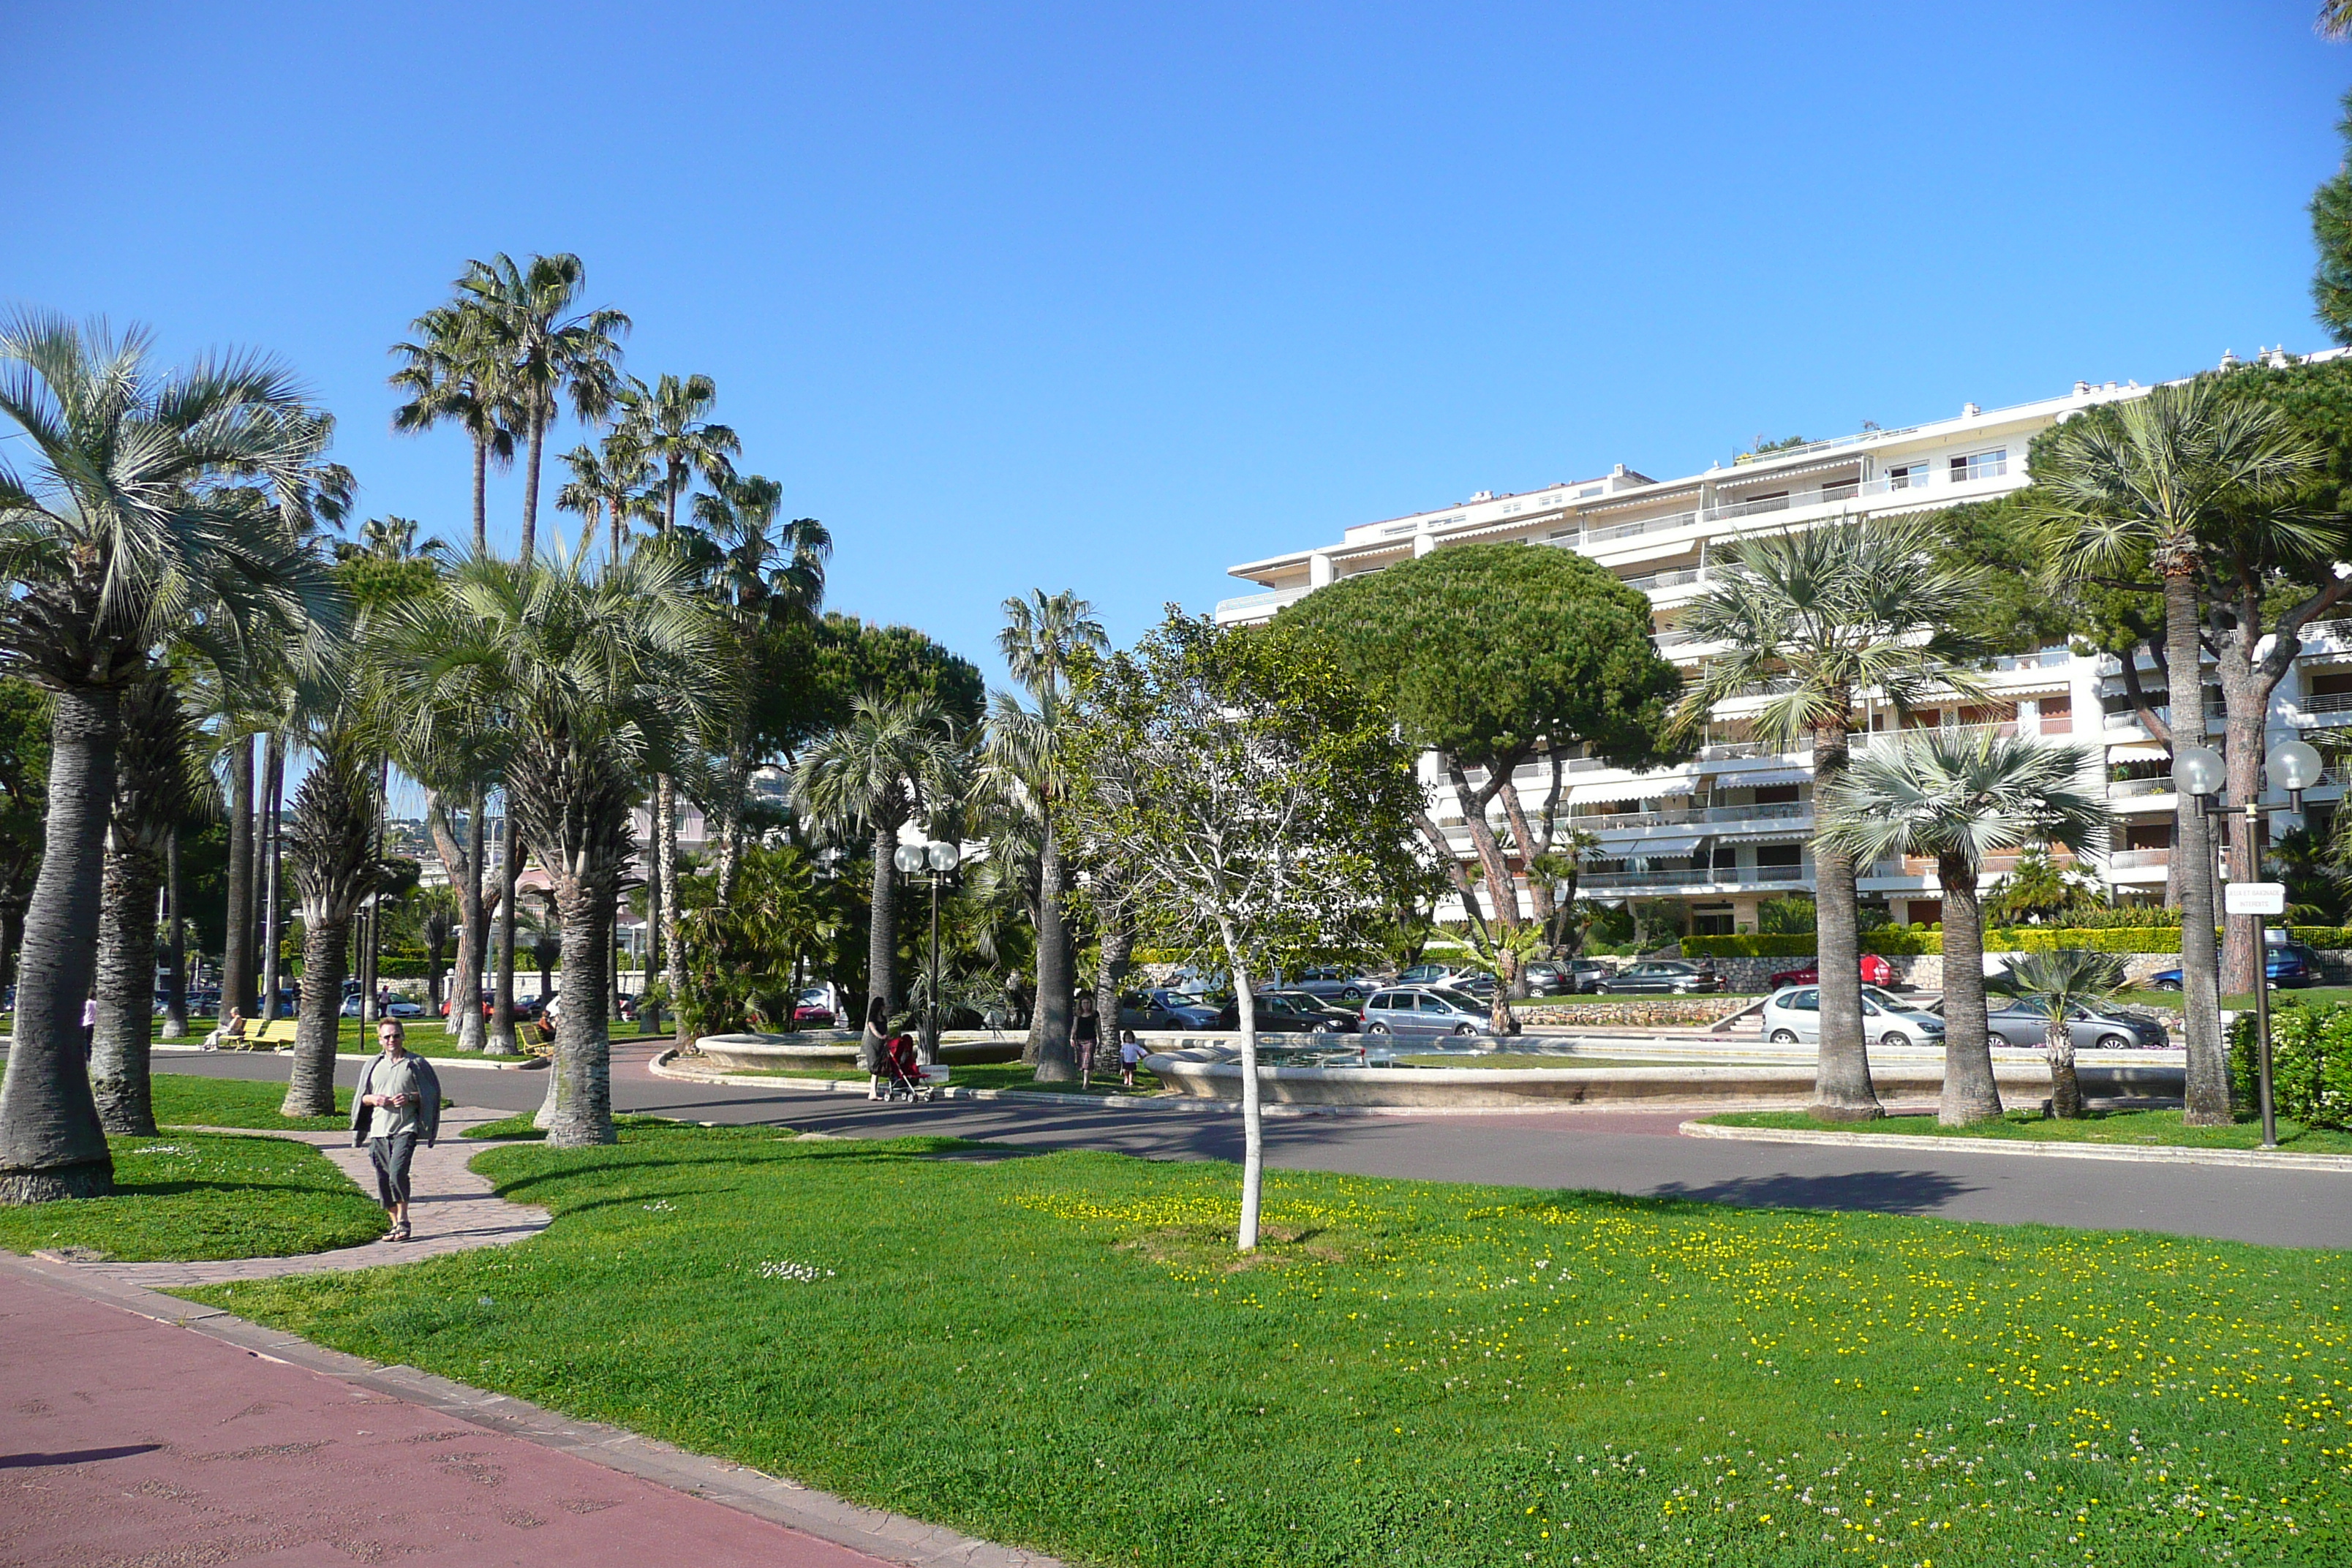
x=326 y=941
x=1970 y=1093
x=2206 y=1098
x=2065 y=1088
x=1115 y=947
x=473 y=934
x=481 y=495
x=436 y=949
x=125 y=991
x=272 y=868
x=1842 y=1087
x=581 y=1074
x=532 y=443
x=175 y=983
x=665 y=867
x=1055 y=980
x=613 y=507
x=500 y=1041
x=236 y=944
x=648 y=1014
x=882 y=924
x=2245 y=704
x=51 y=1142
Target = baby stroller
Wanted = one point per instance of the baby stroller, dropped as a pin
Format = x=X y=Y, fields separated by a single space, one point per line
x=902 y=1072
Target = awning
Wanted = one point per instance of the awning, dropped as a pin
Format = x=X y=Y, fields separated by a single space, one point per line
x=1631 y=789
x=1767 y=835
x=1763 y=778
x=1668 y=847
x=1648 y=788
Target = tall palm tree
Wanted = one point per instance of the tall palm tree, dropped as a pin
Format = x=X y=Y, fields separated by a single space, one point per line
x=154 y=790
x=591 y=670
x=2055 y=984
x=334 y=837
x=613 y=480
x=1960 y=798
x=1815 y=619
x=893 y=761
x=761 y=576
x=453 y=373
x=2154 y=485
x=2334 y=19
x=550 y=354
x=116 y=540
x=1042 y=635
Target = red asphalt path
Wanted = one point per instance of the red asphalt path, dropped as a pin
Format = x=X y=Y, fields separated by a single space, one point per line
x=128 y=1443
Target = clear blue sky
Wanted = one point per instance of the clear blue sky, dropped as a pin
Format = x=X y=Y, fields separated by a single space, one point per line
x=1111 y=296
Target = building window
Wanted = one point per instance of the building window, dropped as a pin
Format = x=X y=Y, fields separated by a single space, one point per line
x=1711 y=920
x=1990 y=465
x=1779 y=862
x=1589 y=491
x=1909 y=477
x=1776 y=795
x=2057 y=715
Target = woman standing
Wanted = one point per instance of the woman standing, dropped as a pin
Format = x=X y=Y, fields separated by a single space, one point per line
x=873 y=1043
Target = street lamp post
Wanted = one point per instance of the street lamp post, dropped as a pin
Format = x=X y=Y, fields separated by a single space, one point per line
x=2199 y=772
x=939 y=859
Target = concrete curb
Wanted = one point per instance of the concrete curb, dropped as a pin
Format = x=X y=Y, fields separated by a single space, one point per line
x=890 y=1536
x=2340 y=1163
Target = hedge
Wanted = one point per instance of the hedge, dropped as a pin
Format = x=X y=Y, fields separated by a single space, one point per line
x=2311 y=1062
x=1901 y=941
x=1768 y=945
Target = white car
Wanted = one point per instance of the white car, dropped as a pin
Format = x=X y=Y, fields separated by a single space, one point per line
x=1792 y=1016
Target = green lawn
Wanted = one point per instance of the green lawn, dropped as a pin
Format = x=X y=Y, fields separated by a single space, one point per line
x=1056 y=1351
x=2244 y=1001
x=194 y=1196
x=979 y=1075
x=2133 y=1127
x=425 y=1037
x=184 y=1099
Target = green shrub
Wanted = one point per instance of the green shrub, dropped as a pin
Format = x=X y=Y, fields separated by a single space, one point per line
x=2054 y=938
x=2322 y=936
x=2311 y=1062
x=1767 y=944
x=1899 y=941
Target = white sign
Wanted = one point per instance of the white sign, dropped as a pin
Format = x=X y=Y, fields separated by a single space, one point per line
x=2253 y=898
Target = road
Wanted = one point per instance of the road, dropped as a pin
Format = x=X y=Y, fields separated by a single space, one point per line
x=1633 y=1152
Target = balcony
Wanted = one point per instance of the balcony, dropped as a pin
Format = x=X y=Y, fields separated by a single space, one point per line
x=1629 y=530
x=1682 y=816
x=2325 y=708
x=2138 y=789
x=2135 y=864
x=1691 y=878
x=1256 y=607
x=1650 y=583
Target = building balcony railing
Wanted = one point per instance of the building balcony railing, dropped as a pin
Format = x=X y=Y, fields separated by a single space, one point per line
x=2134 y=789
x=2328 y=707
x=1682 y=816
x=1690 y=878
x=1650 y=583
x=1629 y=530
x=2140 y=859
x=1254 y=604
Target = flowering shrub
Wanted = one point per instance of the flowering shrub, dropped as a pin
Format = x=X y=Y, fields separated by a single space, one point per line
x=2311 y=1062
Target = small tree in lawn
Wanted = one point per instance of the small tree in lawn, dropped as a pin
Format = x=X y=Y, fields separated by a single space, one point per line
x=2054 y=984
x=1244 y=805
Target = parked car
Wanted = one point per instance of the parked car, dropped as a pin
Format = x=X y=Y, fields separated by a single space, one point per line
x=2290 y=964
x=1567 y=977
x=1164 y=1007
x=2019 y=1022
x=1876 y=971
x=1291 y=1013
x=1792 y=1016
x=1332 y=984
x=1455 y=977
x=1662 y=977
x=811 y=1016
x=1424 y=1010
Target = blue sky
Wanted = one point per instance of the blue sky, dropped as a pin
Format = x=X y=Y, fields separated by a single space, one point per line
x=1110 y=298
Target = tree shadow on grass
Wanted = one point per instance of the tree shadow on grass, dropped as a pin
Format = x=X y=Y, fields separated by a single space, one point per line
x=1855 y=1192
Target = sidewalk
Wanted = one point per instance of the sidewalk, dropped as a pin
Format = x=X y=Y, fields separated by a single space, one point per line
x=126 y=1440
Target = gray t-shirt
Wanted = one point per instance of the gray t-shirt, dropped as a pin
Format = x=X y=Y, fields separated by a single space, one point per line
x=392 y=1075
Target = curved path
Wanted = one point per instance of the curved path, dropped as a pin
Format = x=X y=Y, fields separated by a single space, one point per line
x=1635 y=1152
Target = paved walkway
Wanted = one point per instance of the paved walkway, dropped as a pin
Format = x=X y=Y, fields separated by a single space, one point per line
x=451 y=1210
x=128 y=1439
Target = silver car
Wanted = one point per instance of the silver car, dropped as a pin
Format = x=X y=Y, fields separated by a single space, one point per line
x=1420 y=1011
x=1792 y=1016
x=2018 y=1022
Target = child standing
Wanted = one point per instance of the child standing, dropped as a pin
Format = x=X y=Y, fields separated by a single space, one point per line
x=1129 y=1053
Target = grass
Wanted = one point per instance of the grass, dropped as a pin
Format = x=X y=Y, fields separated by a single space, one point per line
x=184 y=1099
x=979 y=1075
x=190 y=1195
x=2126 y=1127
x=2244 y=1001
x=1060 y=1352
x=422 y=1037
x=520 y=1128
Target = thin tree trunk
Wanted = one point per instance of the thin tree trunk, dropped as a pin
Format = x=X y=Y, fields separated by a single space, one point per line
x=1501 y=891
x=649 y=1015
x=125 y=990
x=1970 y=1092
x=501 y=1034
x=882 y=925
x=473 y=954
x=481 y=497
x=273 y=860
x=581 y=1074
x=2206 y=1099
x=1115 y=948
x=613 y=507
x=1055 y=980
x=1842 y=1087
x=2065 y=1088
x=51 y=1142
x=175 y=978
x=532 y=443
x=372 y=927
x=1252 y=1109
x=665 y=867
x=437 y=947
x=326 y=942
x=2245 y=704
x=237 y=943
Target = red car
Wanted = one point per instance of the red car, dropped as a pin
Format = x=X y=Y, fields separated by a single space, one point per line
x=811 y=1015
x=1876 y=971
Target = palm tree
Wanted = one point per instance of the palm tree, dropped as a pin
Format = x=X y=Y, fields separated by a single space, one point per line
x=1960 y=798
x=614 y=481
x=670 y=423
x=154 y=790
x=2334 y=19
x=2055 y=984
x=591 y=671
x=548 y=354
x=2155 y=484
x=440 y=913
x=452 y=374
x=761 y=576
x=334 y=835
x=1815 y=619
x=1041 y=637
x=894 y=759
x=116 y=542
x=390 y=538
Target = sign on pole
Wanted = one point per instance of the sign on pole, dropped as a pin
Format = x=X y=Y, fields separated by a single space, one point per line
x=2253 y=898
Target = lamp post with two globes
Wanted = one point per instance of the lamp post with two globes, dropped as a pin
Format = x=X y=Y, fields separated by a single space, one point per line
x=939 y=859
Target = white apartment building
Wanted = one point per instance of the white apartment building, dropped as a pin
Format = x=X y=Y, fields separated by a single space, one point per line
x=1729 y=830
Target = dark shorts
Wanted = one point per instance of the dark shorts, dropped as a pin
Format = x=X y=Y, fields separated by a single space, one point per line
x=392 y=1156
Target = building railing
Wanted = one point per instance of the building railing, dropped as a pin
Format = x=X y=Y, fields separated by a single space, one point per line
x=1691 y=877
x=1628 y=530
x=2132 y=789
x=2138 y=860
x=1272 y=599
x=1650 y=583
x=1855 y=440
x=2326 y=702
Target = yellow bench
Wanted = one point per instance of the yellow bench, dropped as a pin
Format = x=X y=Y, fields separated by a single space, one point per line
x=263 y=1037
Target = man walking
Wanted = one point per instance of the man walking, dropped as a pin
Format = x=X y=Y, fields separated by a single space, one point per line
x=398 y=1101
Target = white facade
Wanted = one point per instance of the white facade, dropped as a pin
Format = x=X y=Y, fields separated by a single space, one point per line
x=1727 y=830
